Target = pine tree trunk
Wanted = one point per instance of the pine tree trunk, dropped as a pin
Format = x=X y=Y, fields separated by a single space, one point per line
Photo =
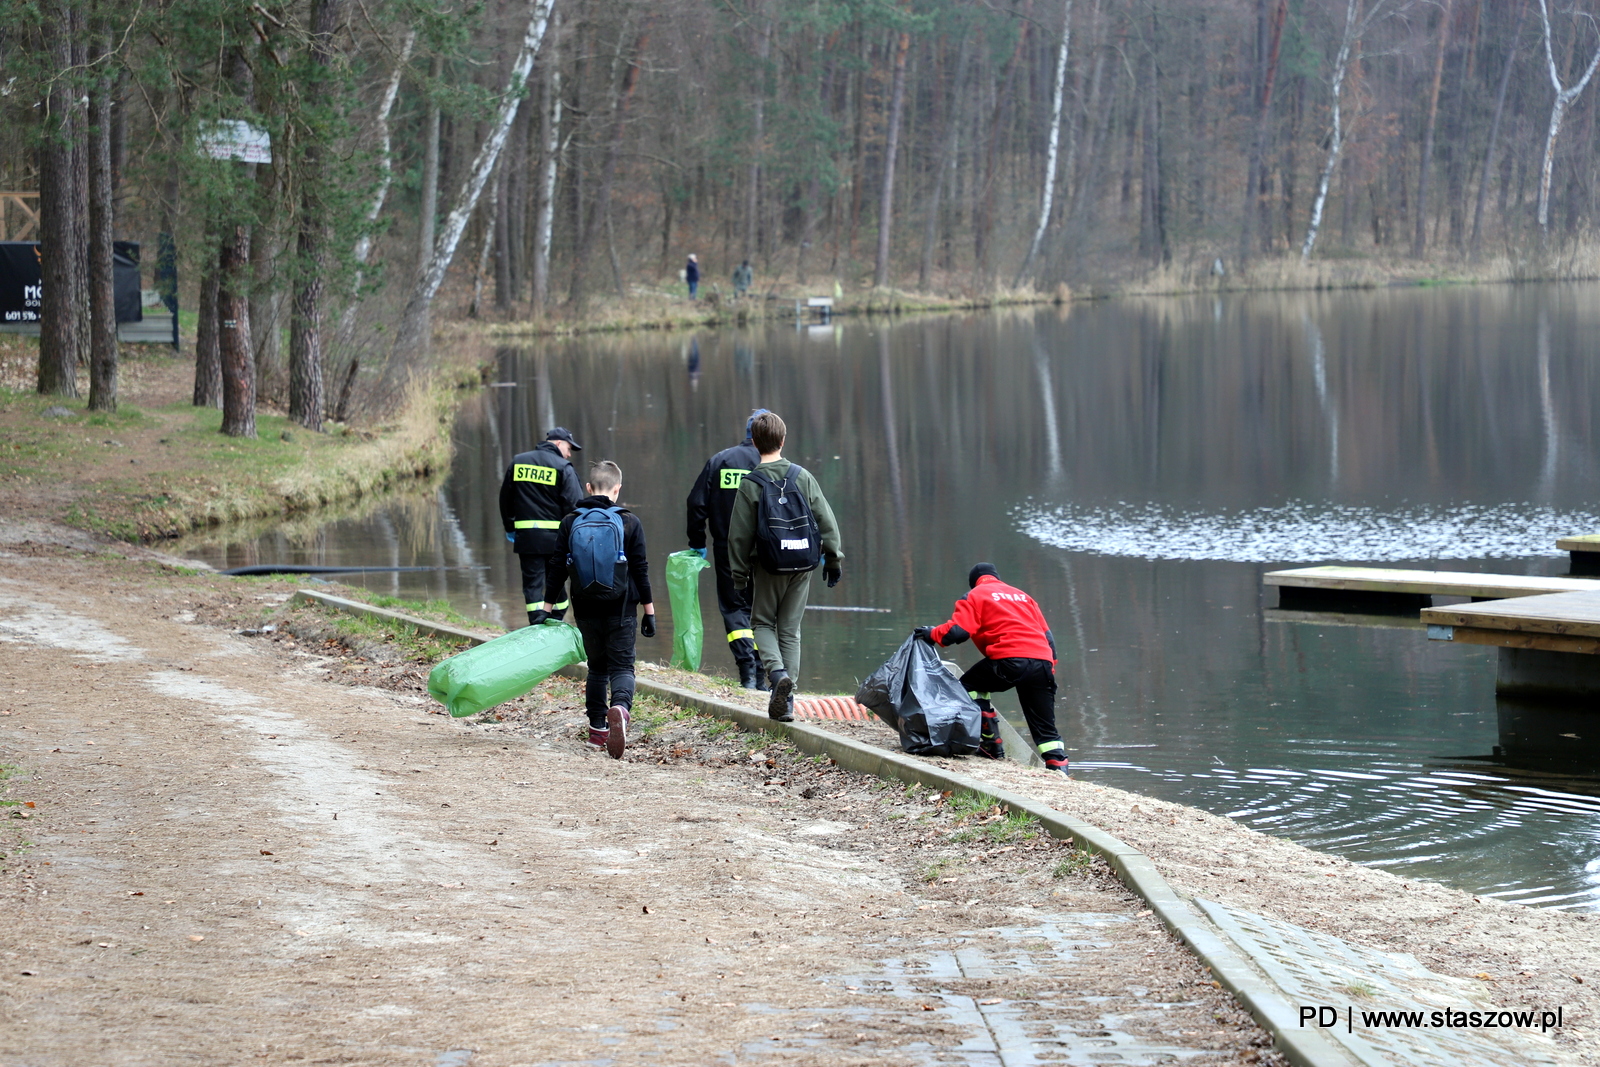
x=1268 y=38
x=1419 y=236
x=430 y=171
x=943 y=163
x=80 y=183
x=58 y=254
x=891 y=148
x=758 y=118
x=271 y=377
x=1494 y=133
x=236 y=355
x=207 y=349
x=501 y=225
x=102 y=232
x=307 y=391
x=550 y=141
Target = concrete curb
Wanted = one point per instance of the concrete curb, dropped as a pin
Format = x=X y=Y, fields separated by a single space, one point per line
x=1228 y=963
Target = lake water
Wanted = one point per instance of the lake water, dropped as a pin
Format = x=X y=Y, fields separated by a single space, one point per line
x=1136 y=465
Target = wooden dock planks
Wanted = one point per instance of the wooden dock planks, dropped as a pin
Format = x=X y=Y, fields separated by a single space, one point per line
x=1426 y=583
x=1572 y=614
x=1579 y=543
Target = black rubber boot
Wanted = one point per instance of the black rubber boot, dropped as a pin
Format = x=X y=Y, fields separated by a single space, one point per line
x=780 y=706
x=761 y=679
x=744 y=654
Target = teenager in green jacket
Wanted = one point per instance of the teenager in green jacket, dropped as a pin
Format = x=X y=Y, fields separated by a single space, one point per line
x=778 y=601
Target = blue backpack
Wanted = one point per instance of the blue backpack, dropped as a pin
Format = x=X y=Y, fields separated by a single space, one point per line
x=595 y=556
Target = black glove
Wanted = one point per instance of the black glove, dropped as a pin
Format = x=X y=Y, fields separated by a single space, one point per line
x=537 y=617
x=832 y=574
x=647 y=626
x=923 y=633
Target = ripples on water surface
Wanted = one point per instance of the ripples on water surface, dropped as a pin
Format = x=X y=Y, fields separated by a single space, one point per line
x=1305 y=531
x=1136 y=465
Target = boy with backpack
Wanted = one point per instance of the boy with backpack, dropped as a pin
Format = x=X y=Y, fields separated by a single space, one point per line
x=601 y=546
x=780 y=530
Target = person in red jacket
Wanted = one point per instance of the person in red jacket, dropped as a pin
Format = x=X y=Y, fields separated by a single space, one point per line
x=1019 y=652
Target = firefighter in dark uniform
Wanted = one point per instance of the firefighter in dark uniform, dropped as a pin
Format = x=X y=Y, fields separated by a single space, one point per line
x=710 y=504
x=539 y=489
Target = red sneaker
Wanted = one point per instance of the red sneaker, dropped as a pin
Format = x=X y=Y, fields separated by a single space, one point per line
x=616 y=730
x=597 y=738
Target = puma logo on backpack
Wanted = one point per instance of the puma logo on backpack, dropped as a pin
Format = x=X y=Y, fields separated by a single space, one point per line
x=594 y=554
x=787 y=540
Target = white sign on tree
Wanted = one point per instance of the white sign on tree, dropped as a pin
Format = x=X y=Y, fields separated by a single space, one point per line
x=236 y=140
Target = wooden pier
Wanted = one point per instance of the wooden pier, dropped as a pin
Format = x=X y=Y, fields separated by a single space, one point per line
x=1307 y=587
x=1547 y=628
x=1584 y=552
x=1549 y=645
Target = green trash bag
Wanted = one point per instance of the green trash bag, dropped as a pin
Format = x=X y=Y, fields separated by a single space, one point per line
x=683 y=587
x=505 y=668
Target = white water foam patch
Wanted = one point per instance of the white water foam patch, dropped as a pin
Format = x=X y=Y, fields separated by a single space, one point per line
x=37 y=623
x=1307 y=532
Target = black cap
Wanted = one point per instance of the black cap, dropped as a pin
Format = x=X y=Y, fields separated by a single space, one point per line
x=561 y=433
x=978 y=572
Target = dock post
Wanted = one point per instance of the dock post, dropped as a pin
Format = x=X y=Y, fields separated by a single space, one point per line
x=1536 y=672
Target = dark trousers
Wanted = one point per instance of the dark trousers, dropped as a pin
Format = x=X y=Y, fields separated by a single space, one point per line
x=608 y=639
x=734 y=604
x=533 y=590
x=1035 y=683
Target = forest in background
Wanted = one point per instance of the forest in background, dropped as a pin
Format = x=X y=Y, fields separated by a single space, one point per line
x=544 y=157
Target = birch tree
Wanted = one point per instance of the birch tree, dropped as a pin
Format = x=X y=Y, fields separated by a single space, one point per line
x=1052 y=147
x=380 y=121
x=1558 y=112
x=411 y=339
x=1356 y=26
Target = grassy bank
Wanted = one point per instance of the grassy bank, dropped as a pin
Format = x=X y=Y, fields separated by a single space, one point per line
x=158 y=468
x=665 y=306
x=654 y=308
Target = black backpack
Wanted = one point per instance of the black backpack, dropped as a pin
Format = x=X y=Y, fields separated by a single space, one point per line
x=787 y=541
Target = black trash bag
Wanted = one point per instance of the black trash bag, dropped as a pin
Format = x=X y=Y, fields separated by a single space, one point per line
x=923 y=702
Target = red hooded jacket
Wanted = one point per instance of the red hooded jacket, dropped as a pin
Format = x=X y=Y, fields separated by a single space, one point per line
x=1002 y=621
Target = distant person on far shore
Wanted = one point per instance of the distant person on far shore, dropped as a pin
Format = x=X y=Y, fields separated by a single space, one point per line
x=691 y=274
x=743 y=276
x=1019 y=652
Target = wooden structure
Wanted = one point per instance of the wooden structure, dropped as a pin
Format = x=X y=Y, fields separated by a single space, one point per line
x=14 y=206
x=1546 y=628
x=1549 y=645
x=1584 y=551
x=1398 y=589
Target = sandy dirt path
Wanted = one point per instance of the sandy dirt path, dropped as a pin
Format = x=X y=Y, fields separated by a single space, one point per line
x=230 y=858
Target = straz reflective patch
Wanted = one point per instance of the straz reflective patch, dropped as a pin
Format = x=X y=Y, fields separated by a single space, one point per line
x=533 y=472
x=732 y=476
x=799 y=545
